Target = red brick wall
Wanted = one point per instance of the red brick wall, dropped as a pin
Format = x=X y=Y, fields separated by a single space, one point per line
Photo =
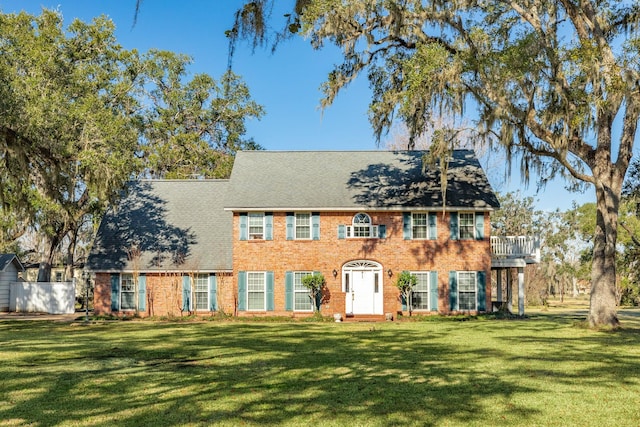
x=330 y=253
x=164 y=291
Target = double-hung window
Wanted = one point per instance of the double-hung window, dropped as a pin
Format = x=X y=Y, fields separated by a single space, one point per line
x=420 y=292
x=467 y=225
x=467 y=290
x=420 y=225
x=303 y=226
x=301 y=299
x=127 y=292
x=256 y=291
x=256 y=225
x=201 y=294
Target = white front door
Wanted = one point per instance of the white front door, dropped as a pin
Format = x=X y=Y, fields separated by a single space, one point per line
x=363 y=288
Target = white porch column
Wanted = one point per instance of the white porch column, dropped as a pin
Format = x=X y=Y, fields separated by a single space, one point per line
x=509 y=292
x=499 y=284
x=520 y=291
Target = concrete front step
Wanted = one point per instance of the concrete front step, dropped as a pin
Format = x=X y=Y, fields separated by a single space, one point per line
x=365 y=318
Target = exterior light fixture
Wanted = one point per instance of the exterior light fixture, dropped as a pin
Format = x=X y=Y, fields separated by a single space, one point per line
x=389 y=272
x=335 y=273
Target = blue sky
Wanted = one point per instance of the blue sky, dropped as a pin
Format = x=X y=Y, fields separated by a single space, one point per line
x=286 y=83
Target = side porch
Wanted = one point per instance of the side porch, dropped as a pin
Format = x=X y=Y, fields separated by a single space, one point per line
x=512 y=253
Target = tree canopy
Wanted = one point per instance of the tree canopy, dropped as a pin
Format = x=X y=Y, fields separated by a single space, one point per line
x=545 y=80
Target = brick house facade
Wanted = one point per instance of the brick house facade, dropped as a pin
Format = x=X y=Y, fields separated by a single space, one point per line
x=360 y=222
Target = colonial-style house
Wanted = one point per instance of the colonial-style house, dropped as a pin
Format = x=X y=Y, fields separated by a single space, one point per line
x=243 y=245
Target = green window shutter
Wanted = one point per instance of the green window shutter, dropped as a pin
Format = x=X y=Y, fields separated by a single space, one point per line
x=479 y=226
x=406 y=225
x=454 y=225
x=315 y=225
x=453 y=290
x=213 y=292
x=268 y=226
x=403 y=301
x=318 y=300
x=270 y=299
x=291 y=219
x=382 y=231
x=288 y=291
x=433 y=230
x=142 y=292
x=342 y=231
x=186 y=293
x=115 y=292
x=244 y=230
x=433 y=290
x=482 y=290
x=242 y=290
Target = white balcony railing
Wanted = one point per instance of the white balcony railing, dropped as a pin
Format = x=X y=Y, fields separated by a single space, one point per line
x=526 y=247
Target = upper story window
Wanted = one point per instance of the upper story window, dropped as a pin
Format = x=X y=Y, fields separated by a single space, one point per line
x=361 y=225
x=256 y=225
x=467 y=225
x=303 y=225
x=419 y=225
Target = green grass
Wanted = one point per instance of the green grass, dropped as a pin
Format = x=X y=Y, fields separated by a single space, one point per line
x=542 y=371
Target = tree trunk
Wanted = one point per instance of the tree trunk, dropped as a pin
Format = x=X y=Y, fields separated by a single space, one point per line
x=603 y=304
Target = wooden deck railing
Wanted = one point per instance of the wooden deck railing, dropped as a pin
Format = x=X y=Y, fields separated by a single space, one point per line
x=527 y=247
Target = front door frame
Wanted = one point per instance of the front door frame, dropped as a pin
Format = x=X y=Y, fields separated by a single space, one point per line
x=374 y=290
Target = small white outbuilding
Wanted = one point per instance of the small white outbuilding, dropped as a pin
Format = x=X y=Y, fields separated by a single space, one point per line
x=10 y=266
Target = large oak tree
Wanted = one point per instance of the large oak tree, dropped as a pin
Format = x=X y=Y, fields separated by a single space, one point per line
x=547 y=80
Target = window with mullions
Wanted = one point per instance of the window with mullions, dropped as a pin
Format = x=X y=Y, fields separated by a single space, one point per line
x=201 y=291
x=127 y=292
x=303 y=226
x=420 y=225
x=301 y=300
x=467 y=226
x=467 y=290
x=420 y=292
x=256 y=225
x=361 y=225
x=256 y=291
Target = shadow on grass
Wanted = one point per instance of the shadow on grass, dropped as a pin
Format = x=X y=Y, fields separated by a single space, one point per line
x=155 y=373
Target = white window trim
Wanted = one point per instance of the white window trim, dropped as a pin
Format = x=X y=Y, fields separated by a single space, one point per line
x=475 y=290
x=428 y=274
x=305 y=291
x=194 y=299
x=473 y=226
x=122 y=292
x=264 y=226
x=374 y=230
x=295 y=226
x=264 y=284
x=413 y=234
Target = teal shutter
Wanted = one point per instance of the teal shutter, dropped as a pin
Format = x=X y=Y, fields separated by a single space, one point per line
x=482 y=290
x=454 y=225
x=186 y=293
x=115 y=292
x=315 y=225
x=268 y=226
x=244 y=231
x=213 y=292
x=479 y=226
x=142 y=292
x=291 y=219
x=288 y=291
x=433 y=230
x=403 y=301
x=382 y=231
x=453 y=290
x=270 y=299
x=433 y=290
x=318 y=300
x=342 y=231
x=406 y=225
x=242 y=290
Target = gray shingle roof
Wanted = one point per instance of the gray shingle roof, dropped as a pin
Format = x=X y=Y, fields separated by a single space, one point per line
x=8 y=259
x=176 y=224
x=352 y=180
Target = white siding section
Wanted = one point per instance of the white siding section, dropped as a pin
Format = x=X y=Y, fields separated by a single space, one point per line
x=8 y=276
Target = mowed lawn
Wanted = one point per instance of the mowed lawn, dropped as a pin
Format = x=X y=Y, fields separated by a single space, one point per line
x=545 y=370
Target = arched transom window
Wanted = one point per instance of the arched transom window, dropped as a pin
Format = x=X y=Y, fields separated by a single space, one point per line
x=361 y=225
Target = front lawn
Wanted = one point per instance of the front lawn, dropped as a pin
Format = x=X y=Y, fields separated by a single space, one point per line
x=541 y=371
